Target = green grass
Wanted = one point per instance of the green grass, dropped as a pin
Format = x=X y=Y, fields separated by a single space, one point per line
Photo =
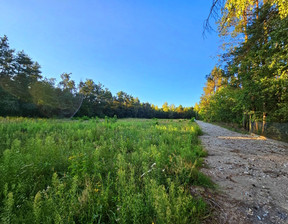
x=232 y=127
x=100 y=171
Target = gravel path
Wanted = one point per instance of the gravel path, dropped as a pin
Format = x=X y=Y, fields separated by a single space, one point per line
x=251 y=172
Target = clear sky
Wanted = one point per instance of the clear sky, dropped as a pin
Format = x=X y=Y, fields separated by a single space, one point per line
x=150 y=49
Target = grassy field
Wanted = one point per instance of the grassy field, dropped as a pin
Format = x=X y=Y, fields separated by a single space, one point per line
x=100 y=171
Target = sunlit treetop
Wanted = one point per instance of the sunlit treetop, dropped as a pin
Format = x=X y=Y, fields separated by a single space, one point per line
x=240 y=6
x=237 y=13
x=283 y=8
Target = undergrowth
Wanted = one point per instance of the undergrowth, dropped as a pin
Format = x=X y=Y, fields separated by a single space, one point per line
x=124 y=171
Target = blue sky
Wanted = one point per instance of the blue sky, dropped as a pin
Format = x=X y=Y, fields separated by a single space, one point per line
x=153 y=50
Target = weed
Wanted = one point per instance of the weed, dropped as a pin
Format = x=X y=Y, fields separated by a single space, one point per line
x=100 y=171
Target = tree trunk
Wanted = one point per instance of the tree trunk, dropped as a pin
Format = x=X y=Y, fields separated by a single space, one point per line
x=250 y=123
x=257 y=8
x=264 y=122
x=245 y=25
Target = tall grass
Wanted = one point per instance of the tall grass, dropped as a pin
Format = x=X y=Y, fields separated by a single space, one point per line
x=129 y=171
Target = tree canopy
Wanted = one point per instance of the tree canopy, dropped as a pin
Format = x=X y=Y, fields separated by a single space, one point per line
x=25 y=92
x=253 y=79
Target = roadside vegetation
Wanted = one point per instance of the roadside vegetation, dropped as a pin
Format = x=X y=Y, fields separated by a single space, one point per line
x=232 y=127
x=100 y=171
x=250 y=82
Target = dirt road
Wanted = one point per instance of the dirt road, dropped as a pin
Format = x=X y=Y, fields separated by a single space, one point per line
x=252 y=175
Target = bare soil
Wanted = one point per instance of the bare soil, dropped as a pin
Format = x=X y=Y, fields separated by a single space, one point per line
x=252 y=174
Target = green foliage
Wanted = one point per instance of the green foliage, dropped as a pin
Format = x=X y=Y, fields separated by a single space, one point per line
x=84 y=118
x=129 y=171
x=114 y=119
x=254 y=78
x=7 y=215
x=24 y=92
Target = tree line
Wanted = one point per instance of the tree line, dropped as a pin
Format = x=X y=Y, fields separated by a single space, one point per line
x=251 y=80
x=25 y=92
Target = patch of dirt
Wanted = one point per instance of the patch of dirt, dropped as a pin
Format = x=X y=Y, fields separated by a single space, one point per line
x=252 y=174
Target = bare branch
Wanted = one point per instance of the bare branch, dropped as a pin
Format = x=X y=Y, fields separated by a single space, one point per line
x=214 y=13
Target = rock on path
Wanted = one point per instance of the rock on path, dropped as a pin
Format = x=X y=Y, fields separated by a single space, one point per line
x=251 y=172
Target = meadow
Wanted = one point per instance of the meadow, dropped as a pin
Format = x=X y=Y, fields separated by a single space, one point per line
x=100 y=171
